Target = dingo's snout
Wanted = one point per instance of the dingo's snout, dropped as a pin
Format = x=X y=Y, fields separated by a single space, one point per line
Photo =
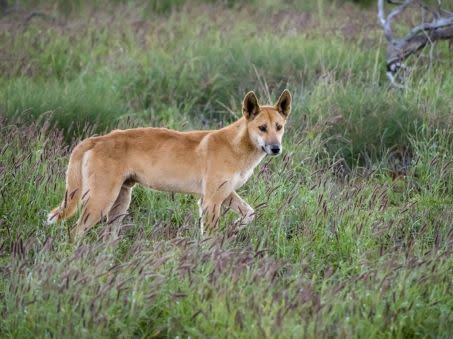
x=272 y=149
x=275 y=149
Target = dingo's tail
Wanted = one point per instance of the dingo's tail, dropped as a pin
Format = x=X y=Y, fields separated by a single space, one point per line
x=73 y=184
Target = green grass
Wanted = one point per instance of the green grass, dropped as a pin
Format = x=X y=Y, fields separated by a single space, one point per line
x=368 y=253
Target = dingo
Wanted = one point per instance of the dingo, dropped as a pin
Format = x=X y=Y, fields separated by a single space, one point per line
x=213 y=164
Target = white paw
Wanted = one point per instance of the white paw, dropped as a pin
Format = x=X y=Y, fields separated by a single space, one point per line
x=245 y=220
x=52 y=218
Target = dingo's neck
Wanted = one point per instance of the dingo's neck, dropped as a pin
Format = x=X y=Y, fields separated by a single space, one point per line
x=238 y=136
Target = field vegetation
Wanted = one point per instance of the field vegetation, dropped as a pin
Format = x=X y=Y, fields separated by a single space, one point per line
x=354 y=228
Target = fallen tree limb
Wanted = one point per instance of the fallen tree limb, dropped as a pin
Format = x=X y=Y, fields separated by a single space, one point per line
x=440 y=27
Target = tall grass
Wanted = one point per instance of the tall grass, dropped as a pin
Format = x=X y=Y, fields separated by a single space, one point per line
x=366 y=256
x=353 y=235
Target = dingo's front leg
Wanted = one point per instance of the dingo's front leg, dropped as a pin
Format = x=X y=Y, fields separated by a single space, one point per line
x=210 y=213
x=238 y=205
x=210 y=204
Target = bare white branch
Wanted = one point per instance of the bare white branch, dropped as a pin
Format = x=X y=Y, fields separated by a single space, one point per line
x=381 y=12
x=435 y=24
x=387 y=22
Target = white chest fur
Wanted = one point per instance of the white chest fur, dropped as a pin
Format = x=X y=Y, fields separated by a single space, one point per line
x=241 y=178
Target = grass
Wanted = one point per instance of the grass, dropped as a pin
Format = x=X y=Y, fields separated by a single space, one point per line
x=353 y=235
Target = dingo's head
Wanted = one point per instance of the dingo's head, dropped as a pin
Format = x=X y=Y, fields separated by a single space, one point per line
x=266 y=124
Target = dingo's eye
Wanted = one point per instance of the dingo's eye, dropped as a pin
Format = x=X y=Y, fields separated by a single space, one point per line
x=262 y=128
x=278 y=126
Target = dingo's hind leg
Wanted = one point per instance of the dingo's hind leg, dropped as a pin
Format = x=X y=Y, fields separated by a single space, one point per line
x=100 y=195
x=118 y=210
x=97 y=206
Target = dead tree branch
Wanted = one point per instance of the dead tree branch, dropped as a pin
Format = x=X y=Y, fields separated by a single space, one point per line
x=426 y=33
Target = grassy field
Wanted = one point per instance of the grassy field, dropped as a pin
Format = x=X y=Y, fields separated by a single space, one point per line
x=354 y=228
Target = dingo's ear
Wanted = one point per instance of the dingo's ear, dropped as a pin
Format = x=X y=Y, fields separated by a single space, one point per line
x=250 y=107
x=283 y=104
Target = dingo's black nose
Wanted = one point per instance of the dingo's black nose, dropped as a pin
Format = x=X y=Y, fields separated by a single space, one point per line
x=275 y=149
